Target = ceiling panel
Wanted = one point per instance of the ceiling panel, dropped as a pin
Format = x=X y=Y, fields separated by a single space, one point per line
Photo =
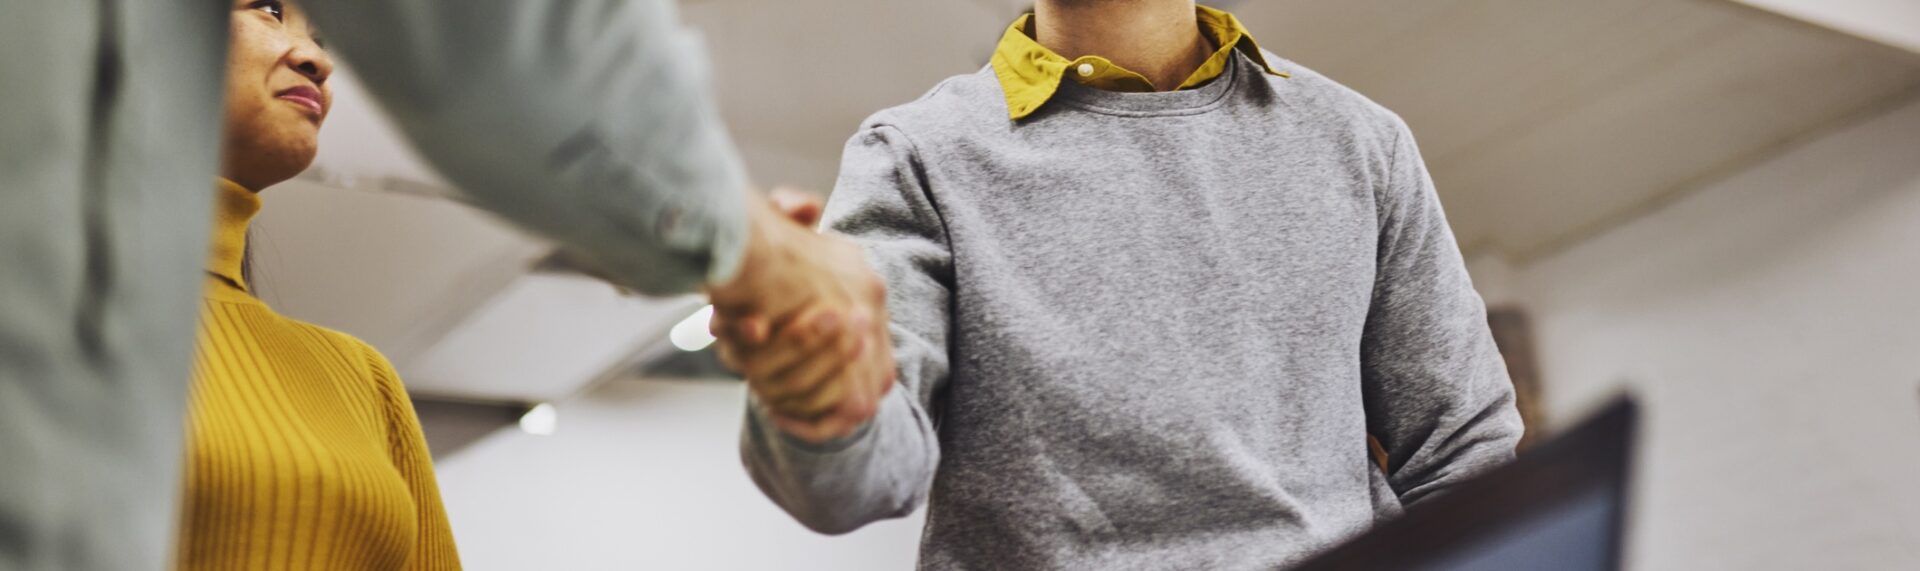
x=799 y=75
x=544 y=337
x=1891 y=22
x=361 y=149
x=394 y=269
x=1545 y=122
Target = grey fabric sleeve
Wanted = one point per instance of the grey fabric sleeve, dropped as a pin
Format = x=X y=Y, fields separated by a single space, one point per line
x=587 y=121
x=1437 y=393
x=110 y=118
x=884 y=469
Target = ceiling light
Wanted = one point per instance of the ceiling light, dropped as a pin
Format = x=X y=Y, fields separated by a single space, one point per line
x=539 y=420
x=692 y=334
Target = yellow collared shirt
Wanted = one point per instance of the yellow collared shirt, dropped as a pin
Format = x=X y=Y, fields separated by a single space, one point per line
x=1030 y=73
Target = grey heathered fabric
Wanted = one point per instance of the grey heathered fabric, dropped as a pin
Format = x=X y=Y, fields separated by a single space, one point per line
x=1152 y=330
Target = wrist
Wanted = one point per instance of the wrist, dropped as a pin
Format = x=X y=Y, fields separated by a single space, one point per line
x=797 y=435
x=755 y=258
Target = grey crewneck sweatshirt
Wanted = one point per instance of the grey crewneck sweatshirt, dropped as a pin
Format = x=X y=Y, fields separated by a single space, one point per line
x=1151 y=330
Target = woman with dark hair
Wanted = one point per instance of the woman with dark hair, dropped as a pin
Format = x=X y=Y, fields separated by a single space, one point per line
x=303 y=450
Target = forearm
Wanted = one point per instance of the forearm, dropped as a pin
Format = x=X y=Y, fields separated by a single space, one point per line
x=588 y=121
x=882 y=471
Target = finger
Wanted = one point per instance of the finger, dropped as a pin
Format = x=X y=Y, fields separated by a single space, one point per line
x=860 y=319
x=739 y=326
x=808 y=388
x=799 y=338
x=721 y=324
x=852 y=390
x=838 y=423
x=857 y=410
x=855 y=389
x=752 y=330
x=744 y=330
x=729 y=356
x=872 y=379
x=816 y=386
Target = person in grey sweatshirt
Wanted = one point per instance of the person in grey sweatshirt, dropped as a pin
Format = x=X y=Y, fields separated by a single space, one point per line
x=1151 y=289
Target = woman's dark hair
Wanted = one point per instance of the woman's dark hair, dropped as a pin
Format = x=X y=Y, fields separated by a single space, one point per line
x=246 y=264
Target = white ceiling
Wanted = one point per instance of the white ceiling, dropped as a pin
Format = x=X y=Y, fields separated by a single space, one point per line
x=1543 y=123
x=1891 y=22
x=1546 y=122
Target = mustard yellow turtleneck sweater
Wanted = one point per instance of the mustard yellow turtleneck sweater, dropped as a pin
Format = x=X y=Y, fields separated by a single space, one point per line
x=304 y=451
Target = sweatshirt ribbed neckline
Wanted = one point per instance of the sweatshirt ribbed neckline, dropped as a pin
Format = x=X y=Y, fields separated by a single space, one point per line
x=1145 y=104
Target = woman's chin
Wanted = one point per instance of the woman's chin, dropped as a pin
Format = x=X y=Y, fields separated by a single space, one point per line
x=275 y=168
x=297 y=152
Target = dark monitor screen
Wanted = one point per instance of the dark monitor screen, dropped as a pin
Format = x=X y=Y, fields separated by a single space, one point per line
x=1560 y=506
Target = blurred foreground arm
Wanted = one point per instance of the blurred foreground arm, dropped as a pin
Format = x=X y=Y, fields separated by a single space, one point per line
x=588 y=121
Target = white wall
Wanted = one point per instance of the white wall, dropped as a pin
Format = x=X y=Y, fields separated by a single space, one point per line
x=641 y=475
x=1771 y=323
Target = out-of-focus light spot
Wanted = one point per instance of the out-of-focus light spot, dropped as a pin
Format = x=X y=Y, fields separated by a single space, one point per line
x=691 y=334
x=540 y=420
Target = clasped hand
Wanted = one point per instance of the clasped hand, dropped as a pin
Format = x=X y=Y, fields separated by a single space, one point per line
x=805 y=321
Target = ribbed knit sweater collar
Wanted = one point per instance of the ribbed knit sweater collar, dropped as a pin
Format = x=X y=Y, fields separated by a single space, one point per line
x=234 y=207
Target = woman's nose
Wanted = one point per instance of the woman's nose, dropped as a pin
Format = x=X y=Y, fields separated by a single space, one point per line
x=311 y=61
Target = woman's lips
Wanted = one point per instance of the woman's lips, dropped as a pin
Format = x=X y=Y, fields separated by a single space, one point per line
x=307 y=98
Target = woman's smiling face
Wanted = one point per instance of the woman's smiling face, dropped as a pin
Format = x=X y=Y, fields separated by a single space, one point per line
x=277 y=93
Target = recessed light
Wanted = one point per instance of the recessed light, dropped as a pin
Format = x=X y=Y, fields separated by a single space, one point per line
x=692 y=333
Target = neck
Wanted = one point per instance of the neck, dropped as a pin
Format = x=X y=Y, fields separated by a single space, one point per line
x=234 y=207
x=240 y=179
x=1159 y=39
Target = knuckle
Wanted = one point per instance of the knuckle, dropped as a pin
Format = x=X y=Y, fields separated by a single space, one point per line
x=795 y=333
x=821 y=406
x=773 y=381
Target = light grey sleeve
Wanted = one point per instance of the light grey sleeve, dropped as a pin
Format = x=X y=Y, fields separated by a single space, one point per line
x=110 y=119
x=587 y=121
x=1437 y=393
x=885 y=468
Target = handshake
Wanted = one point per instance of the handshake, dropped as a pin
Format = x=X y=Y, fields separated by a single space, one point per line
x=805 y=321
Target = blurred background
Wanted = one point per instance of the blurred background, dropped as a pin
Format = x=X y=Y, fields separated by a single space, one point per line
x=1714 y=204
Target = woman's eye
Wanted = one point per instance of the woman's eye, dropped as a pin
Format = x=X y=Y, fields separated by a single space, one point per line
x=273 y=8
